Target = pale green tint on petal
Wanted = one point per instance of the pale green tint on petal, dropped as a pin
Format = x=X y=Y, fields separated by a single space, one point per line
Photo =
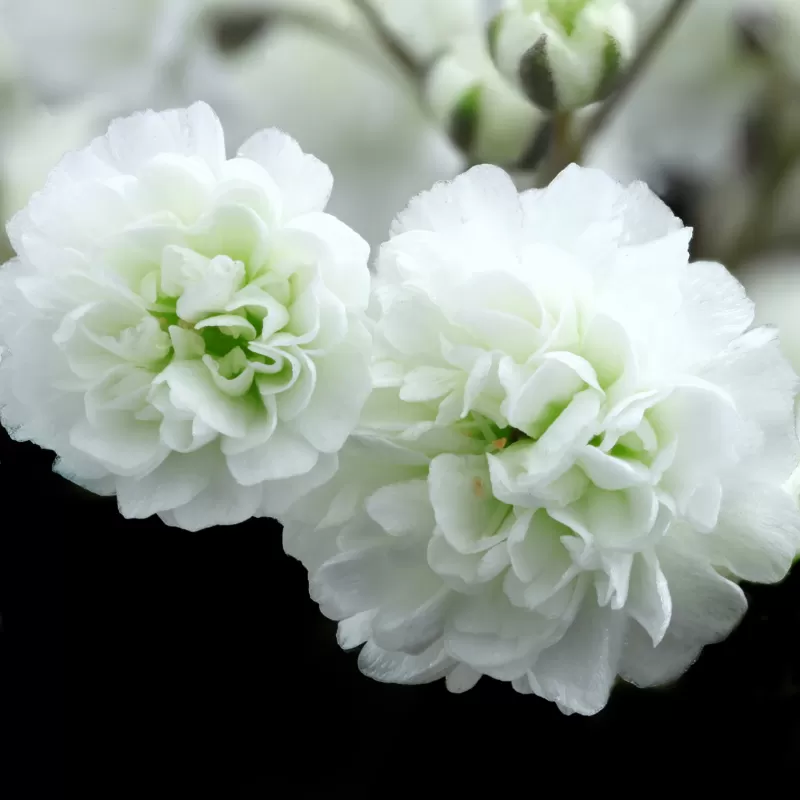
x=467 y=513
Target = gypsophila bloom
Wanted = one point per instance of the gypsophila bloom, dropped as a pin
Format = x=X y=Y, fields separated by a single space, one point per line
x=574 y=450
x=186 y=331
x=564 y=54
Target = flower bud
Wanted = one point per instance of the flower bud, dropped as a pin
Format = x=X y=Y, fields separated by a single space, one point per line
x=486 y=118
x=563 y=54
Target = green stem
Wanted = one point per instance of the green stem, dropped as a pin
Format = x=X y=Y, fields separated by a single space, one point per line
x=564 y=149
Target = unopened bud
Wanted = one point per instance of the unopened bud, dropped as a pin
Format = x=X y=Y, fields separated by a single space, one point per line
x=486 y=118
x=563 y=54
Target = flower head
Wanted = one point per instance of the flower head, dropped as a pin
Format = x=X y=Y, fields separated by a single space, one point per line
x=564 y=54
x=184 y=330
x=583 y=447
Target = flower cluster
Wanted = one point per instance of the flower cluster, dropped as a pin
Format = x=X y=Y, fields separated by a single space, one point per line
x=538 y=444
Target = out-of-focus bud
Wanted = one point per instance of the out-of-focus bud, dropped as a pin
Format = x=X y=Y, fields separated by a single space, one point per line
x=771 y=29
x=757 y=27
x=563 y=54
x=485 y=117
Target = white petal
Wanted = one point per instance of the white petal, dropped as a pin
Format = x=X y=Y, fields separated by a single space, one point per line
x=387 y=667
x=402 y=508
x=354 y=631
x=223 y=502
x=483 y=193
x=305 y=182
x=355 y=581
x=285 y=454
x=705 y=608
x=716 y=305
x=462 y=679
x=466 y=511
x=342 y=387
x=343 y=257
x=192 y=389
x=757 y=535
x=280 y=495
x=177 y=481
x=124 y=447
x=579 y=672
x=649 y=599
x=410 y=623
x=132 y=141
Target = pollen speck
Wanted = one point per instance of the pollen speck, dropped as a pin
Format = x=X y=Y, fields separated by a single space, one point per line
x=499 y=444
x=477 y=488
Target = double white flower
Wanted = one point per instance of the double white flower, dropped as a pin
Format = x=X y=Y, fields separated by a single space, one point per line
x=183 y=330
x=574 y=450
x=569 y=443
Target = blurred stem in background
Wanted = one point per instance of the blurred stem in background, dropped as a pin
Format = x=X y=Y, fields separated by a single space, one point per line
x=780 y=154
x=567 y=144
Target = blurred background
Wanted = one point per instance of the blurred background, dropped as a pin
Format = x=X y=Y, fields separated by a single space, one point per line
x=713 y=126
x=189 y=664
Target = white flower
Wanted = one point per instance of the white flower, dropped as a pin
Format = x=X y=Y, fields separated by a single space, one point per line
x=71 y=47
x=184 y=330
x=485 y=115
x=606 y=442
x=563 y=53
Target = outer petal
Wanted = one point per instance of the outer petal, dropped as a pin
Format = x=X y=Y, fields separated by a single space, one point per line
x=705 y=608
x=388 y=667
x=483 y=194
x=305 y=182
x=578 y=673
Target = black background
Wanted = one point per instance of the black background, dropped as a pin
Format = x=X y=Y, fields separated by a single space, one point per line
x=199 y=667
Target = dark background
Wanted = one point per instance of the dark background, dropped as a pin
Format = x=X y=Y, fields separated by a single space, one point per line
x=198 y=667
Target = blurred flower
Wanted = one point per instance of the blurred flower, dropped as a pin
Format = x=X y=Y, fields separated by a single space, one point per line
x=363 y=121
x=73 y=47
x=606 y=442
x=484 y=114
x=563 y=53
x=185 y=331
x=34 y=141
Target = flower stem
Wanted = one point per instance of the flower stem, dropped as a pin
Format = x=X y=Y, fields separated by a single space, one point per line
x=349 y=40
x=564 y=149
x=394 y=47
